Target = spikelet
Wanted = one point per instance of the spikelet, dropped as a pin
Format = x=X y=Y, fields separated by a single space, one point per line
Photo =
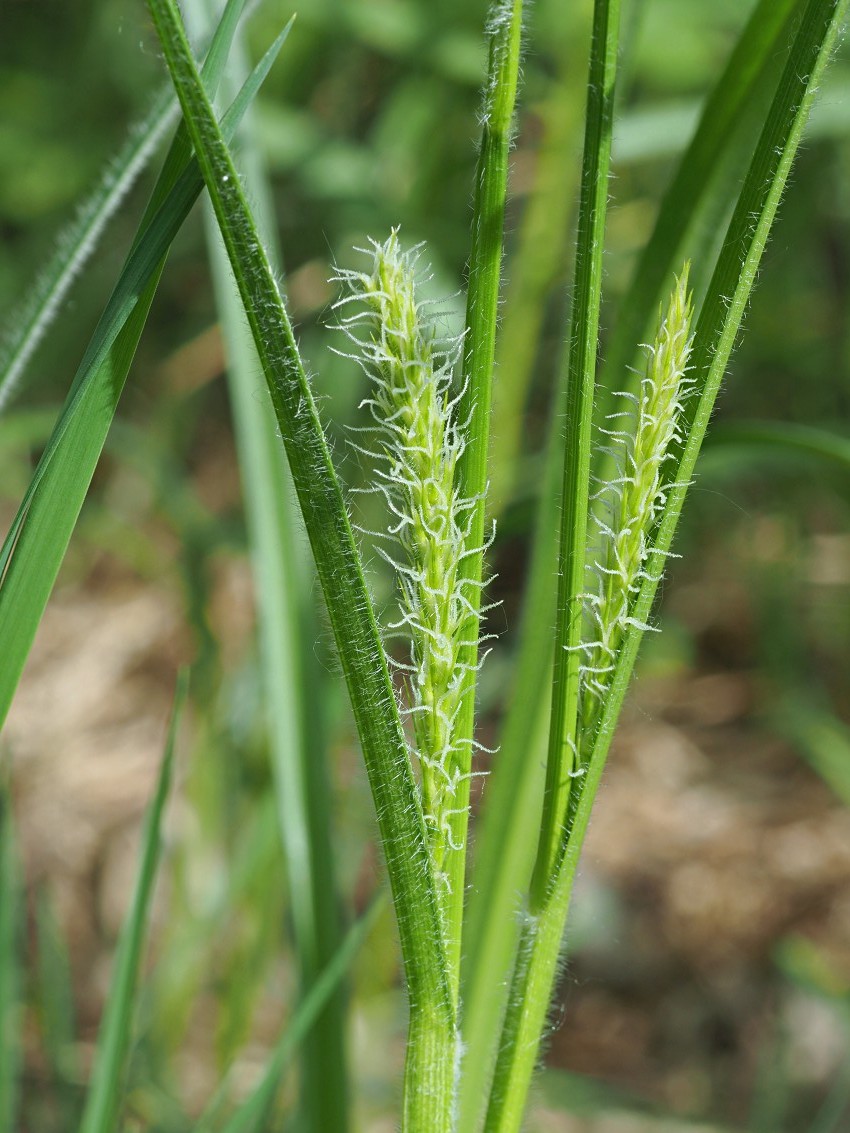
x=642 y=436
x=417 y=442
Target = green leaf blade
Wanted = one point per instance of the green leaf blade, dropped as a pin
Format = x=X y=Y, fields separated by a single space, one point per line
x=77 y=243
x=113 y=1044
x=485 y=273
x=253 y=1113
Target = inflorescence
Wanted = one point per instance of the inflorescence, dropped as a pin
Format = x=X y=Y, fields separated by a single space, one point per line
x=417 y=441
x=641 y=437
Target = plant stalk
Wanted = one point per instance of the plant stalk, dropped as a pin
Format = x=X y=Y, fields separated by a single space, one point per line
x=485 y=262
x=562 y=761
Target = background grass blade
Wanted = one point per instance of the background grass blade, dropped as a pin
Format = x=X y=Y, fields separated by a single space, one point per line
x=77 y=243
x=537 y=258
x=506 y=835
x=755 y=439
x=173 y=195
x=707 y=176
x=36 y=543
x=717 y=327
x=431 y=1050
x=113 y=1043
x=292 y=676
x=253 y=1114
x=11 y=974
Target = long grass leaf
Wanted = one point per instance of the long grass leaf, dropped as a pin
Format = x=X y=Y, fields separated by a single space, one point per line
x=340 y=573
x=11 y=975
x=821 y=736
x=717 y=327
x=537 y=259
x=39 y=535
x=754 y=439
x=174 y=193
x=506 y=831
x=113 y=1042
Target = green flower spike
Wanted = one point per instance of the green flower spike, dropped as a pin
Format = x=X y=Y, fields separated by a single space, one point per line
x=419 y=441
x=629 y=507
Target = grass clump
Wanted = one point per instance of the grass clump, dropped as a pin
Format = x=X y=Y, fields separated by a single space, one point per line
x=470 y=1054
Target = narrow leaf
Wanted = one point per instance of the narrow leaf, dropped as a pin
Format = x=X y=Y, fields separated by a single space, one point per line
x=293 y=679
x=581 y=375
x=113 y=1041
x=485 y=265
x=755 y=439
x=56 y=1006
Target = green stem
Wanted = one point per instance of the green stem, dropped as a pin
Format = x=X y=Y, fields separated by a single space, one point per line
x=430 y=1072
x=504 y=853
x=561 y=760
x=516 y=1060
x=482 y=302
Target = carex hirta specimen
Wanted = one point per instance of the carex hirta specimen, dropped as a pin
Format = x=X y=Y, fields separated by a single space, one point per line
x=431 y=471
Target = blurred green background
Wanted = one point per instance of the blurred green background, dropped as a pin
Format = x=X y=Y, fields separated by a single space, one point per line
x=709 y=966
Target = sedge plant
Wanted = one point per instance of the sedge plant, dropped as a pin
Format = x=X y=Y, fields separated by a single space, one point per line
x=479 y=969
